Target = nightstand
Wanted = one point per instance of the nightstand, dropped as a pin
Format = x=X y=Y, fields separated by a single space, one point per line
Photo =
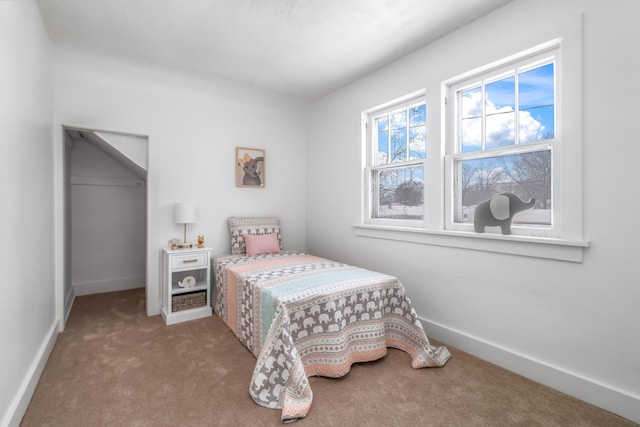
x=186 y=284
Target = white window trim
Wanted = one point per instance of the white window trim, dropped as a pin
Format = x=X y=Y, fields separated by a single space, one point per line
x=545 y=53
x=568 y=247
x=367 y=159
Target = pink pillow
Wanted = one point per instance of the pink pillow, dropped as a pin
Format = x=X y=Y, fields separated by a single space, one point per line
x=257 y=244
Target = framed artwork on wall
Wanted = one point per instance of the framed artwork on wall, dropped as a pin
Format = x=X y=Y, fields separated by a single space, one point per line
x=250 y=167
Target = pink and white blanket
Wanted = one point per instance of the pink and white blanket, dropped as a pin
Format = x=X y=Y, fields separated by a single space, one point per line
x=302 y=315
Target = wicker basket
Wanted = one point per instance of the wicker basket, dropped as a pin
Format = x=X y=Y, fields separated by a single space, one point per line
x=188 y=301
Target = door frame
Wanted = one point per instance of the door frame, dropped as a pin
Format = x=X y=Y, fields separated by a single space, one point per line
x=60 y=209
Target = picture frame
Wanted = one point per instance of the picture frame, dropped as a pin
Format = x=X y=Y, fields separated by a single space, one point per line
x=250 y=167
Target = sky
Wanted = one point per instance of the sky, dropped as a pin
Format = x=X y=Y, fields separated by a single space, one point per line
x=532 y=97
x=516 y=111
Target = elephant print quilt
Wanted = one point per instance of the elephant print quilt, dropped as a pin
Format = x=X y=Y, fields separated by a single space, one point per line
x=302 y=315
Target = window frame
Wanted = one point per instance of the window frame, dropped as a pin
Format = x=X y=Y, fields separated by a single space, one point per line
x=519 y=64
x=570 y=244
x=369 y=143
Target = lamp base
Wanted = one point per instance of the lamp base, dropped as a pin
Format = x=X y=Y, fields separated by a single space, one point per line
x=185 y=245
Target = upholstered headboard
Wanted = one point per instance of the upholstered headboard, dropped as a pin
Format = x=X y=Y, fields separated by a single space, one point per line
x=238 y=226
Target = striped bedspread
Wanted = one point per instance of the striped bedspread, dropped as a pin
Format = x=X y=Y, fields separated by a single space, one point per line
x=302 y=315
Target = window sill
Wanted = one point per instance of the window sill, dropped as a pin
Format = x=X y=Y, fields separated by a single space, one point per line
x=538 y=247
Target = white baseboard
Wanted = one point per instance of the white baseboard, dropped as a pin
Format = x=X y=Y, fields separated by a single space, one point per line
x=601 y=395
x=20 y=402
x=108 y=285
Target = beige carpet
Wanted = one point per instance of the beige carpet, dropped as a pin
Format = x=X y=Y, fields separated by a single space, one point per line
x=114 y=366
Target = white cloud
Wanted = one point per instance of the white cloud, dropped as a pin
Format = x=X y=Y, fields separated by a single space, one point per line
x=382 y=158
x=530 y=129
x=418 y=143
x=500 y=126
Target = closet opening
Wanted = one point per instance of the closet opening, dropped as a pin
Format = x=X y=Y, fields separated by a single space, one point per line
x=105 y=212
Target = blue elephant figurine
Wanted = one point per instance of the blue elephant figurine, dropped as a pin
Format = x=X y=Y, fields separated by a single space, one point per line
x=499 y=210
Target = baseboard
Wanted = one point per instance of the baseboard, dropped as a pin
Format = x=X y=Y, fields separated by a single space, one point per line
x=68 y=303
x=601 y=395
x=108 y=285
x=19 y=405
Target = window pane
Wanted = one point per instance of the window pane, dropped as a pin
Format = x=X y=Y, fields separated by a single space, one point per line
x=418 y=115
x=537 y=104
x=417 y=143
x=536 y=124
x=501 y=96
x=400 y=193
x=382 y=125
x=399 y=119
x=528 y=175
x=471 y=103
x=500 y=130
x=470 y=135
x=417 y=132
x=499 y=107
x=535 y=87
x=398 y=145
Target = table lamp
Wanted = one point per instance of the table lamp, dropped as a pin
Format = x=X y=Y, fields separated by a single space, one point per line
x=184 y=213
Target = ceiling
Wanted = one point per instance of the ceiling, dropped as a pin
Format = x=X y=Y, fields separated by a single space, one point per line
x=304 y=48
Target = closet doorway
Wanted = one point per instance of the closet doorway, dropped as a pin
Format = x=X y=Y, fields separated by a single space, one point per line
x=105 y=212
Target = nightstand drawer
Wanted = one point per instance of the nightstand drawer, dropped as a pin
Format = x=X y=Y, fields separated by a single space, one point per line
x=189 y=261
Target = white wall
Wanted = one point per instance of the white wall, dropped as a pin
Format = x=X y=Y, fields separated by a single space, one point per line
x=108 y=222
x=27 y=312
x=193 y=127
x=574 y=326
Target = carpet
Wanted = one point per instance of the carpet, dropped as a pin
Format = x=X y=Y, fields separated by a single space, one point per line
x=115 y=366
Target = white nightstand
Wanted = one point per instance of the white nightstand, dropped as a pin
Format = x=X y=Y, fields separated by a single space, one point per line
x=180 y=304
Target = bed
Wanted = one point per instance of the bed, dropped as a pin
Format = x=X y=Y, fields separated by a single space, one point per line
x=302 y=315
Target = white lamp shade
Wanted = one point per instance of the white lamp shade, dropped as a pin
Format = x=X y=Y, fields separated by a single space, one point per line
x=185 y=213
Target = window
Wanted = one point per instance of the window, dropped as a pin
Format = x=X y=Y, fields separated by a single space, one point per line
x=396 y=139
x=502 y=138
x=511 y=126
